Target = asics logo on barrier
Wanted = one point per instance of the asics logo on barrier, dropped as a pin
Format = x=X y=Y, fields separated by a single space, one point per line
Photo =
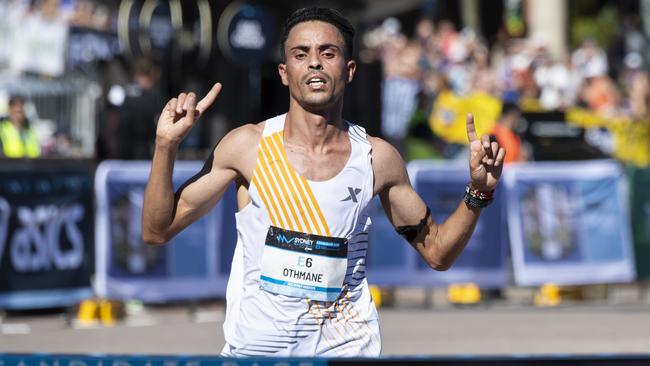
x=353 y=195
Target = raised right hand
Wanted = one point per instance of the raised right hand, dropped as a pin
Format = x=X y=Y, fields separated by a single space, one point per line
x=179 y=115
x=485 y=158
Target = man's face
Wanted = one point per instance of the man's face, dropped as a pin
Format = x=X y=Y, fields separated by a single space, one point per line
x=17 y=112
x=316 y=69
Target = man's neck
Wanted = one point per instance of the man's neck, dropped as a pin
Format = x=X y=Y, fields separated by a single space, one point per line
x=313 y=130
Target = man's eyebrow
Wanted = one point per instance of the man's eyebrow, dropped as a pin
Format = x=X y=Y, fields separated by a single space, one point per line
x=306 y=48
x=329 y=45
x=300 y=47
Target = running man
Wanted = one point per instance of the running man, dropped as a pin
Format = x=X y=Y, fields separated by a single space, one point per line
x=304 y=180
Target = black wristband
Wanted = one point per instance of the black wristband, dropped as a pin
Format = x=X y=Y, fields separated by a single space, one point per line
x=476 y=201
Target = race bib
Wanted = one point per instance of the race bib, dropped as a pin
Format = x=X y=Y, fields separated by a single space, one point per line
x=303 y=265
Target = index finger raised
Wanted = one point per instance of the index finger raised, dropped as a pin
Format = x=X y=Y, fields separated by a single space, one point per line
x=209 y=98
x=471 y=130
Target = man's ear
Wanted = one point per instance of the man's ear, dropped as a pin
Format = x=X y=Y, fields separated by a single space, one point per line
x=282 y=70
x=352 y=68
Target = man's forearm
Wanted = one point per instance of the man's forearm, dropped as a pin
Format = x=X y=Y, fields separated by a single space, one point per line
x=444 y=242
x=158 y=207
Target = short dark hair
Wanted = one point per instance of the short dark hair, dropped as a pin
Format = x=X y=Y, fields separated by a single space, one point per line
x=510 y=108
x=16 y=99
x=326 y=15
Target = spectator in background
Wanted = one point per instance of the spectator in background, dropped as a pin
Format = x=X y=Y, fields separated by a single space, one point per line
x=137 y=116
x=635 y=87
x=558 y=85
x=601 y=95
x=18 y=138
x=590 y=60
x=401 y=59
x=505 y=133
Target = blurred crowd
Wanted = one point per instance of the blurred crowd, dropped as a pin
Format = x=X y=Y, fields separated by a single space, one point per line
x=48 y=38
x=38 y=105
x=439 y=58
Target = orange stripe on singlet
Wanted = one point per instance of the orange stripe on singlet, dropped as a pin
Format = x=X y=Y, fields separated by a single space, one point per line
x=290 y=177
x=286 y=188
x=267 y=192
x=308 y=195
x=274 y=184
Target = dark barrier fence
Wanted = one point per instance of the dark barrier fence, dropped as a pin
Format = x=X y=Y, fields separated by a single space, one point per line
x=46 y=233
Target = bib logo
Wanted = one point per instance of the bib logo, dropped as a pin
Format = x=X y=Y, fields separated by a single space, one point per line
x=36 y=244
x=283 y=239
x=301 y=242
x=298 y=241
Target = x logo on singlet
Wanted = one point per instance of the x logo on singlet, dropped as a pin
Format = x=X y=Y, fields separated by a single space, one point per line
x=353 y=194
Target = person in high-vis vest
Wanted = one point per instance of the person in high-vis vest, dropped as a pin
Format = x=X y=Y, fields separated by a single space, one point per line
x=18 y=138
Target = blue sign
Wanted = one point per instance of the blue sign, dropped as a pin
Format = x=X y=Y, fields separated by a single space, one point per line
x=194 y=264
x=569 y=223
x=392 y=261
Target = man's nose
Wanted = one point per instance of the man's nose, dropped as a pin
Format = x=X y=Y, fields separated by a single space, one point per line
x=315 y=63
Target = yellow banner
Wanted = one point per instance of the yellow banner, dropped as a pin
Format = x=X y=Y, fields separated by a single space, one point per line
x=449 y=112
x=631 y=138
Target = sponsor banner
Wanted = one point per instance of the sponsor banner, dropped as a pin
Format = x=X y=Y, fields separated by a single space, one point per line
x=392 y=261
x=46 y=233
x=569 y=223
x=87 y=47
x=45 y=359
x=631 y=138
x=194 y=264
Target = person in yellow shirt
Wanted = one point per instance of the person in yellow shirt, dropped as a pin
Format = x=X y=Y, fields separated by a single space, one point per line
x=17 y=137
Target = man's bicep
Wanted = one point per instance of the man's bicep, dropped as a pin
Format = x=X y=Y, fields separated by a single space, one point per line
x=197 y=198
x=402 y=204
x=231 y=159
x=201 y=193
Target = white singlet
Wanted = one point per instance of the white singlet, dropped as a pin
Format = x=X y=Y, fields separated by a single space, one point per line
x=298 y=240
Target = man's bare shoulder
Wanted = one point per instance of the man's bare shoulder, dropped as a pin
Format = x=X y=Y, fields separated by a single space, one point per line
x=383 y=153
x=238 y=148
x=246 y=135
x=387 y=163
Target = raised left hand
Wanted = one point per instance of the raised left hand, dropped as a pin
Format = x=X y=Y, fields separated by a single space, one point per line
x=485 y=159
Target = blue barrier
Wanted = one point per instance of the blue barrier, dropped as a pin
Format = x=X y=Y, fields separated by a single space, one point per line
x=43 y=359
x=392 y=261
x=195 y=264
x=569 y=223
x=597 y=248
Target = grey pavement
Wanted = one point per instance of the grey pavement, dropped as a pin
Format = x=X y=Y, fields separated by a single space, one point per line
x=406 y=330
